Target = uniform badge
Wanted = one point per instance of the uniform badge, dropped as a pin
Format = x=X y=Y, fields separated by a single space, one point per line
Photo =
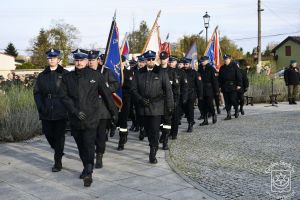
x=185 y=80
x=130 y=78
x=106 y=83
x=171 y=82
x=92 y=81
x=156 y=78
x=176 y=81
x=59 y=76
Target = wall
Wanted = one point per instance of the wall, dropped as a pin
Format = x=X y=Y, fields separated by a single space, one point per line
x=283 y=60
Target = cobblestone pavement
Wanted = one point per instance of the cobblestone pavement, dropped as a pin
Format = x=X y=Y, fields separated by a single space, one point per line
x=231 y=157
x=25 y=173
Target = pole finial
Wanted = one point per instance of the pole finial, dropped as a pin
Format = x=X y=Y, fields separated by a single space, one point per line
x=115 y=15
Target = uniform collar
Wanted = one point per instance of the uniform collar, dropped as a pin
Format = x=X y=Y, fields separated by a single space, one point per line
x=59 y=69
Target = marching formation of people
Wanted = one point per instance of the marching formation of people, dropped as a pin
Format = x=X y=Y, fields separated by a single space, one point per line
x=25 y=81
x=155 y=97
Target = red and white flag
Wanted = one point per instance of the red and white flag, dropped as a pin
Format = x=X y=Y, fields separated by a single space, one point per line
x=153 y=41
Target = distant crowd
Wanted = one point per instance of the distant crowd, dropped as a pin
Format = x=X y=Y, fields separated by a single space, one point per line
x=23 y=80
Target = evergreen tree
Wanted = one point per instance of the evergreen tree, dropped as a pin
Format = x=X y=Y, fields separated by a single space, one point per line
x=11 y=50
x=40 y=46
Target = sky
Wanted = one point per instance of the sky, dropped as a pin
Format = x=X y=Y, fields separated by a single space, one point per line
x=237 y=19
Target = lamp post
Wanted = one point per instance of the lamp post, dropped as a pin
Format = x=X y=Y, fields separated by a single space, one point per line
x=206 y=19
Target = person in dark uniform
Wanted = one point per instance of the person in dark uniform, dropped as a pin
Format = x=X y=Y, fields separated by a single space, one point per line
x=194 y=83
x=180 y=64
x=179 y=95
x=230 y=81
x=80 y=92
x=181 y=107
x=210 y=89
x=134 y=125
x=105 y=117
x=153 y=90
x=244 y=88
x=292 y=79
x=126 y=99
x=52 y=112
x=111 y=126
x=141 y=64
x=167 y=117
x=217 y=95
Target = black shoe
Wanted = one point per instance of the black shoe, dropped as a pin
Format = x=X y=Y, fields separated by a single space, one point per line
x=112 y=132
x=165 y=146
x=166 y=139
x=242 y=111
x=106 y=137
x=87 y=180
x=125 y=137
x=132 y=128
x=152 y=155
x=120 y=147
x=290 y=101
x=218 y=110
x=121 y=141
x=214 y=118
x=99 y=163
x=190 y=128
x=205 y=121
x=162 y=137
x=293 y=101
x=228 y=117
x=236 y=114
x=57 y=164
x=83 y=174
x=174 y=137
x=56 y=168
x=142 y=134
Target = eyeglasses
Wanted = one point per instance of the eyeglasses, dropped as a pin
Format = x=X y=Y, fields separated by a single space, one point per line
x=150 y=59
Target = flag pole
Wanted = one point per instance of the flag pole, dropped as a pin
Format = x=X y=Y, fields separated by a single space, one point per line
x=152 y=29
x=221 y=54
x=108 y=40
x=210 y=40
x=123 y=42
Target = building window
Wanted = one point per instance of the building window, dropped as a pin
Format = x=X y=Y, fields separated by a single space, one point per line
x=288 y=51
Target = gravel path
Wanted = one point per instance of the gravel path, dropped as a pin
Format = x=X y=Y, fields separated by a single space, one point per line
x=231 y=157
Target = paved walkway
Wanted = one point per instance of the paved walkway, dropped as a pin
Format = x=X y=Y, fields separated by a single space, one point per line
x=25 y=173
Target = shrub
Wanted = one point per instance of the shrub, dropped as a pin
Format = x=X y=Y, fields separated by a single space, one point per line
x=18 y=115
x=261 y=87
x=26 y=65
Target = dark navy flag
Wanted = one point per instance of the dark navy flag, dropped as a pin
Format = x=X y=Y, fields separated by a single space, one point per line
x=113 y=59
x=192 y=54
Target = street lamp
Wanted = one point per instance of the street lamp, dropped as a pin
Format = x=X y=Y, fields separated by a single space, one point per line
x=206 y=19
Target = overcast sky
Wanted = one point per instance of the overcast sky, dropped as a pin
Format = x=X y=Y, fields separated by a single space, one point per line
x=22 y=20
